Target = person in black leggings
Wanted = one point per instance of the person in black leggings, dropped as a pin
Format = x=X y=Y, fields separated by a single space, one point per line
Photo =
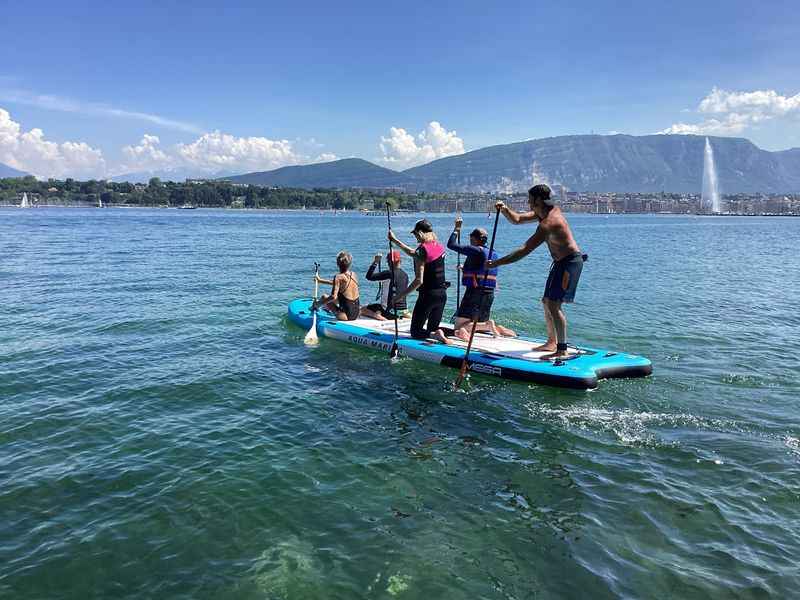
x=429 y=279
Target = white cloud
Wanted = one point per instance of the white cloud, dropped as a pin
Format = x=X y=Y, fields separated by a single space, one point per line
x=215 y=153
x=402 y=150
x=146 y=156
x=218 y=151
x=31 y=152
x=59 y=103
x=208 y=154
x=732 y=124
x=734 y=112
x=759 y=104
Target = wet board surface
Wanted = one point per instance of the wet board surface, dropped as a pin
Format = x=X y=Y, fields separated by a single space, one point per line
x=509 y=358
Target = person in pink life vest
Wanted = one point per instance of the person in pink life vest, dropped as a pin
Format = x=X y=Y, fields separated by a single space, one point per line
x=429 y=279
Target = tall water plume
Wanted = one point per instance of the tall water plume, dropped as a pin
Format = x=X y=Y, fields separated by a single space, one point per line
x=710 y=198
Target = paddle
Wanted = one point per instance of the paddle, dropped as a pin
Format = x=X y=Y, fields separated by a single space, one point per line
x=311 y=338
x=458 y=270
x=394 y=351
x=464 y=364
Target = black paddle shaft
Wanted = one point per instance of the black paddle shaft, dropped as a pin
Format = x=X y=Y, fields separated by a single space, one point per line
x=458 y=271
x=392 y=290
x=475 y=316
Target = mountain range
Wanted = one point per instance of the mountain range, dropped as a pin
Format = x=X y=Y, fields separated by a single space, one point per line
x=6 y=171
x=601 y=163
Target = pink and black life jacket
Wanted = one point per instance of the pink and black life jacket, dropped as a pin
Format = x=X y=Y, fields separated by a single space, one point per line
x=433 y=278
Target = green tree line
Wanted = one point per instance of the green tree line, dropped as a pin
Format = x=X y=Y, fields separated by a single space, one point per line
x=217 y=194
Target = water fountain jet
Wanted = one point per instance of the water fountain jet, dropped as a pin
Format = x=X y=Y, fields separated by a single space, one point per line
x=710 y=199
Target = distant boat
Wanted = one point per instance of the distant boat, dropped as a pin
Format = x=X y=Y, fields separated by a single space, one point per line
x=99 y=202
x=25 y=202
x=187 y=207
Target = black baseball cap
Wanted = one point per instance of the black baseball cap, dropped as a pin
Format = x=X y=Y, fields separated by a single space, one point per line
x=422 y=225
x=542 y=191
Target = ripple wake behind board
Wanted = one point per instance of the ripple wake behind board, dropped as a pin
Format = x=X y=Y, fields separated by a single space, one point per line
x=509 y=358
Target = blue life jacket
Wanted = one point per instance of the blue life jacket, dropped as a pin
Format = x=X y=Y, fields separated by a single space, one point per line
x=473 y=270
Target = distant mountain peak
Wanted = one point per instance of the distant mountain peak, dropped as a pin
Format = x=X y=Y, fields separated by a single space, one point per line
x=341 y=173
x=6 y=171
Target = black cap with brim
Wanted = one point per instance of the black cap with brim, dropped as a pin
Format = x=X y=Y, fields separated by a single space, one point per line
x=422 y=225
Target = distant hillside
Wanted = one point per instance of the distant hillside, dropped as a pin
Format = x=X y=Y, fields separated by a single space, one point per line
x=6 y=171
x=617 y=163
x=345 y=173
x=176 y=175
x=610 y=163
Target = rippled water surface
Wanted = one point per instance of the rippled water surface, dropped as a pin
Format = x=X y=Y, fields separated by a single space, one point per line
x=164 y=432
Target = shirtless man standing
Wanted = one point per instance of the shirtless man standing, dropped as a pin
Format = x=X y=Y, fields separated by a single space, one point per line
x=565 y=270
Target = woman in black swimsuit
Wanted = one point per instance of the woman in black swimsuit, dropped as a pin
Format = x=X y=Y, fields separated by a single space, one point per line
x=343 y=300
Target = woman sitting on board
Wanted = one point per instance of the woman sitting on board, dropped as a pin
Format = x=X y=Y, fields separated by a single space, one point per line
x=343 y=300
x=428 y=279
x=386 y=307
x=479 y=290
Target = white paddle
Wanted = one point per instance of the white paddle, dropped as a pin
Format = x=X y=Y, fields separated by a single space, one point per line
x=311 y=338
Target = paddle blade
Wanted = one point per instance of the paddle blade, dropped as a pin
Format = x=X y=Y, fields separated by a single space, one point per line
x=394 y=352
x=311 y=338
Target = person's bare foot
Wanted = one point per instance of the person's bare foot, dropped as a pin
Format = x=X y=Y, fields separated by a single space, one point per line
x=506 y=332
x=493 y=329
x=546 y=347
x=461 y=334
x=440 y=336
x=558 y=355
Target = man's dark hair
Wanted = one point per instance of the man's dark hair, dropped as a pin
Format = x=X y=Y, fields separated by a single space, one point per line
x=540 y=190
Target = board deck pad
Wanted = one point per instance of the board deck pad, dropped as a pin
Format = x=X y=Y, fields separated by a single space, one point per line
x=510 y=358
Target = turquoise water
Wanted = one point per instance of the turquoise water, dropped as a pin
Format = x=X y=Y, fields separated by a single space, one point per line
x=164 y=432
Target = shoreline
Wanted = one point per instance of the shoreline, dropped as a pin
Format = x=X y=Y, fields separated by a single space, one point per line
x=397 y=213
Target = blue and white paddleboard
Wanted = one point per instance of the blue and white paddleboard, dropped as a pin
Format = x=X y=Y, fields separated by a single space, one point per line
x=510 y=358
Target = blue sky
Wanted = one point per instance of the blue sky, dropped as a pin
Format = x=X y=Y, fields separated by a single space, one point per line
x=256 y=85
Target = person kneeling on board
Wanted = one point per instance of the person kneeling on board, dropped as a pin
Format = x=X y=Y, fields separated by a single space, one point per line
x=343 y=299
x=392 y=278
x=565 y=272
x=428 y=279
x=479 y=290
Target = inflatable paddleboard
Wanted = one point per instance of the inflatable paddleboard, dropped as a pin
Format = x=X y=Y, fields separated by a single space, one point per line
x=510 y=358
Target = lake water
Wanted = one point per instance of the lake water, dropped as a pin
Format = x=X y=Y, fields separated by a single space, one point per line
x=164 y=432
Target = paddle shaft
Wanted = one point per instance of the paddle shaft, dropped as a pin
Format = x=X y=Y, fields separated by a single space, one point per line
x=311 y=336
x=458 y=271
x=464 y=364
x=393 y=289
